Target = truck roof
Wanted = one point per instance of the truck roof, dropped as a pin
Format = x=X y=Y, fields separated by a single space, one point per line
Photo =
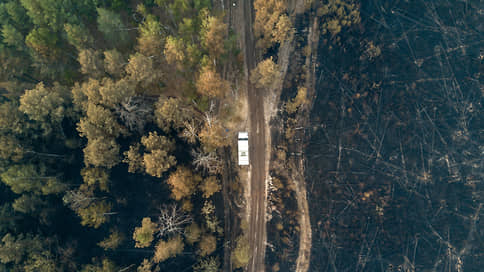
x=243 y=146
x=243 y=135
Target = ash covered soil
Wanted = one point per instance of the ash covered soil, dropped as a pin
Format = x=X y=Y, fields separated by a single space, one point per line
x=395 y=157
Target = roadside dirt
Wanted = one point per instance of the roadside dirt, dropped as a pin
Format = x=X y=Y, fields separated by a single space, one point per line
x=304 y=256
x=271 y=102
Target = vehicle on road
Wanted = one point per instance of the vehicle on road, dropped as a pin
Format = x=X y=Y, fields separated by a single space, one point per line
x=243 y=147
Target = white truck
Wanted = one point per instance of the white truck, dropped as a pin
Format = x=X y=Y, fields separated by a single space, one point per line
x=243 y=148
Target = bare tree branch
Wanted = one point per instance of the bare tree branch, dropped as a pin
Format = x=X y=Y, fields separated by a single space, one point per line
x=189 y=133
x=76 y=199
x=134 y=111
x=172 y=220
x=209 y=162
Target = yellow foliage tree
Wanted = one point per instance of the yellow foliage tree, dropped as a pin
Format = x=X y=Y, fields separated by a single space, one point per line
x=113 y=93
x=298 y=101
x=145 y=266
x=93 y=176
x=174 y=51
x=210 y=264
x=114 y=62
x=271 y=25
x=265 y=74
x=91 y=63
x=211 y=84
x=337 y=14
x=241 y=254
x=43 y=104
x=213 y=135
x=101 y=152
x=141 y=69
x=192 y=233
x=113 y=241
x=210 y=186
x=207 y=245
x=134 y=159
x=144 y=235
x=183 y=183
x=150 y=40
x=95 y=214
x=157 y=158
x=213 y=36
x=168 y=249
x=211 y=221
x=85 y=94
x=171 y=112
x=154 y=141
x=157 y=162
x=187 y=205
x=99 y=122
x=283 y=31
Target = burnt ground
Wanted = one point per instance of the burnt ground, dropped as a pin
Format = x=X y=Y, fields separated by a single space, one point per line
x=395 y=165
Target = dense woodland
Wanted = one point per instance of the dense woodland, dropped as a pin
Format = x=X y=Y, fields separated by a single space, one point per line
x=111 y=118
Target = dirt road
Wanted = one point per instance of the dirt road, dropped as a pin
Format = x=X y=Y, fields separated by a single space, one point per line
x=257 y=144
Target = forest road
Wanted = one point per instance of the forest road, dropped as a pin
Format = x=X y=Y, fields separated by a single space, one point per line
x=257 y=149
x=257 y=146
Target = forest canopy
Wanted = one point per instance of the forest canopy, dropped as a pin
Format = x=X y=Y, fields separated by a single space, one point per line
x=105 y=108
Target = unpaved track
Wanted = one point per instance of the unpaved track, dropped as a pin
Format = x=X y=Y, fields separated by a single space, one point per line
x=257 y=147
x=305 y=235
